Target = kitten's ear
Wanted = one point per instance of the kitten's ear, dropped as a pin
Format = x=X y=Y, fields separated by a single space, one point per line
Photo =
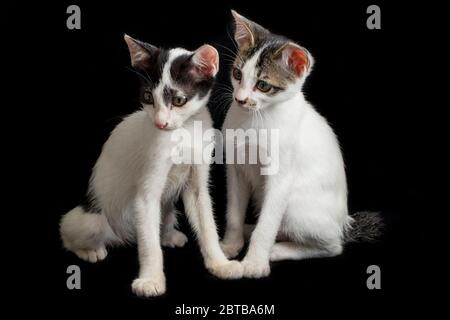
x=141 y=53
x=206 y=61
x=296 y=59
x=246 y=31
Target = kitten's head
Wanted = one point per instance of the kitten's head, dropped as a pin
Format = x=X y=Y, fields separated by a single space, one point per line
x=268 y=68
x=176 y=83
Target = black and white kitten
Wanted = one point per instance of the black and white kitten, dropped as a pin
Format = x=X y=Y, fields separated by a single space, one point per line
x=135 y=183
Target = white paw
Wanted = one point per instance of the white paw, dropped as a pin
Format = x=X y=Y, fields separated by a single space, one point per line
x=277 y=253
x=92 y=255
x=255 y=269
x=231 y=249
x=173 y=239
x=149 y=287
x=226 y=270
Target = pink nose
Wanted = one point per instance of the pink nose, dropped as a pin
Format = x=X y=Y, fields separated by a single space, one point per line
x=161 y=125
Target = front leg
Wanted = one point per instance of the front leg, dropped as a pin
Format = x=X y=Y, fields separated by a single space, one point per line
x=238 y=196
x=197 y=203
x=151 y=280
x=256 y=261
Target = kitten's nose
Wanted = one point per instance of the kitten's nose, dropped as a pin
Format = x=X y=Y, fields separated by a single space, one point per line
x=161 y=125
x=242 y=102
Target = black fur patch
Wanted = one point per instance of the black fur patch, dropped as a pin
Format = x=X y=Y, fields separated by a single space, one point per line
x=154 y=72
x=190 y=83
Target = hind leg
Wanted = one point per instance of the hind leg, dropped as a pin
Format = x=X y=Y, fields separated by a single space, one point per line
x=249 y=228
x=170 y=236
x=308 y=234
x=295 y=251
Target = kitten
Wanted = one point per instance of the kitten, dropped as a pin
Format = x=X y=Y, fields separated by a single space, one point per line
x=134 y=184
x=304 y=204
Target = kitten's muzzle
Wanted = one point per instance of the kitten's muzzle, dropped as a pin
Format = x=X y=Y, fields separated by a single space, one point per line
x=161 y=125
x=246 y=103
x=241 y=102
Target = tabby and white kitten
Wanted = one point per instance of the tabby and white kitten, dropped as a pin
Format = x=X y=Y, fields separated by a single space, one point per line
x=134 y=184
x=305 y=203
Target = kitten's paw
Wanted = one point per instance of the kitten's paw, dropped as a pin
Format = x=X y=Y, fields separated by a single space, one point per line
x=149 y=287
x=173 y=239
x=255 y=269
x=231 y=249
x=277 y=254
x=227 y=270
x=92 y=255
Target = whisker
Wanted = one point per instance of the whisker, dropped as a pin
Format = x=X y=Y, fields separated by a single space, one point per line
x=148 y=77
x=234 y=44
x=233 y=57
x=140 y=74
x=224 y=84
x=225 y=100
x=262 y=118
x=267 y=114
x=234 y=54
x=226 y=48
x=224 y=89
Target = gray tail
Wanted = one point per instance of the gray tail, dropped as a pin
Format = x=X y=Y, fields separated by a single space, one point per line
x=365 y=227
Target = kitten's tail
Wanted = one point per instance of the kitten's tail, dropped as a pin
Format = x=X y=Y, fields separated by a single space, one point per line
x=86 y=234
x=364 y=227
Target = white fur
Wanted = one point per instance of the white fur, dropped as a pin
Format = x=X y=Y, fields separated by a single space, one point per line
x=245 y=88
x=306 y=201
x=136 y=184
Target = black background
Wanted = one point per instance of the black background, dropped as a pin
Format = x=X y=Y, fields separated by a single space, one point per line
x=379 y=89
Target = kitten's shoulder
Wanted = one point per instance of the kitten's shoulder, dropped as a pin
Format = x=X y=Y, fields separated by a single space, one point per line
x=139 y=115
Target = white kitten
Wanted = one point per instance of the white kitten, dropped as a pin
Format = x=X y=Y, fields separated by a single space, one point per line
x=134 y=183
x=305 y=203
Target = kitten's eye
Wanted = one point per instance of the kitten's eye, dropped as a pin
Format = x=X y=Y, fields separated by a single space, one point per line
x=263 y=86
x=178 y=101
x=147 y=97
x=237 y=74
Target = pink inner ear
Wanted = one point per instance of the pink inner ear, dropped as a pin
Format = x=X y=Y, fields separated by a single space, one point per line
x=297 y=61
x=206 y=60
x=139 y=56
